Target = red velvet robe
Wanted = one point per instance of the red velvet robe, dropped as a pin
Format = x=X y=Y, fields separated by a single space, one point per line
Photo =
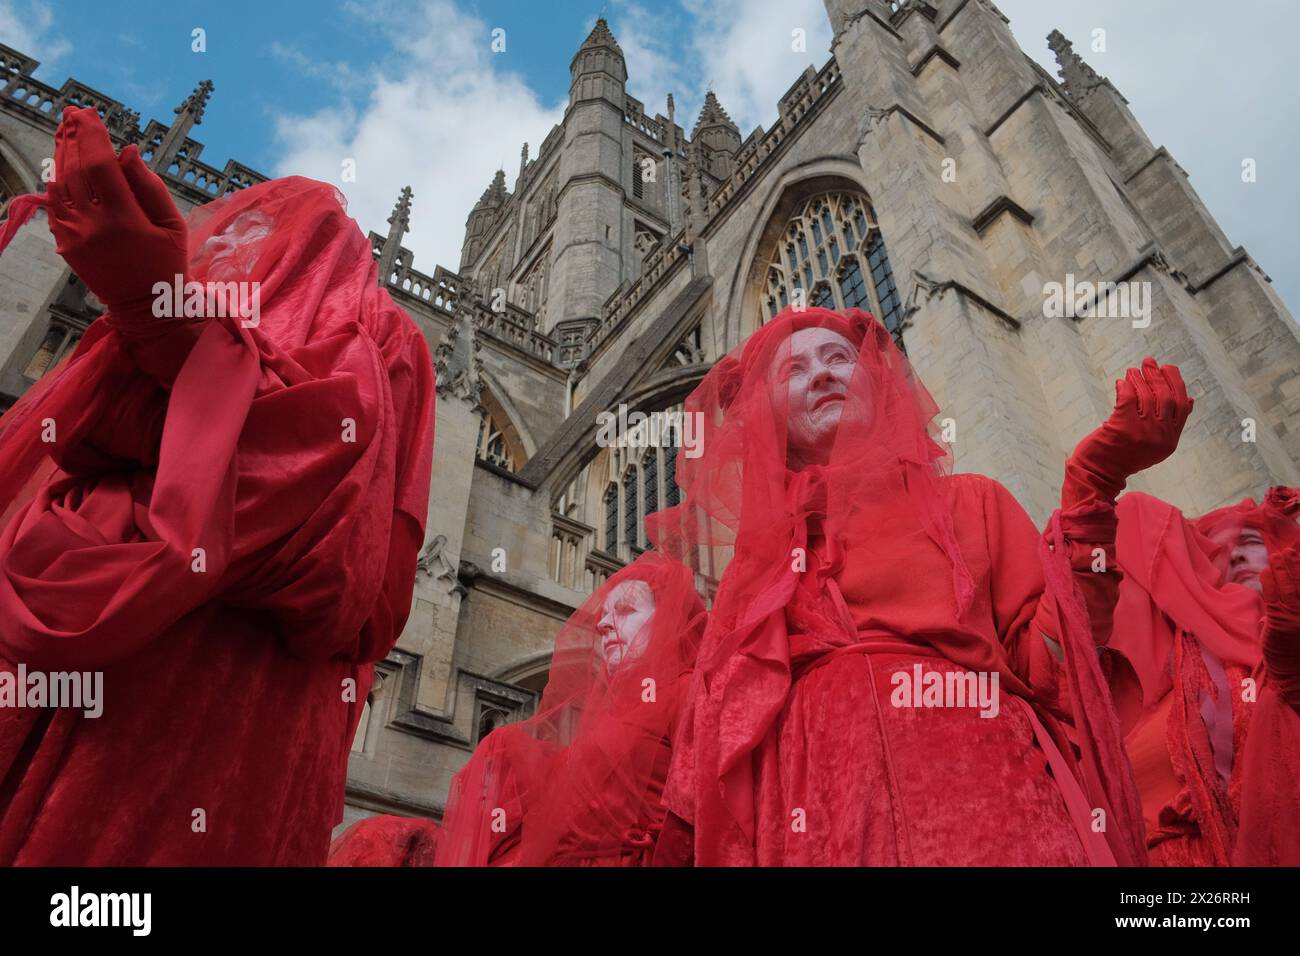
x=1216 y=765
x=229 y=702
x=845 y=778
x=386 y=841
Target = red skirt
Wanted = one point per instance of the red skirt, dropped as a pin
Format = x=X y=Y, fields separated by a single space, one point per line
x=855 y=781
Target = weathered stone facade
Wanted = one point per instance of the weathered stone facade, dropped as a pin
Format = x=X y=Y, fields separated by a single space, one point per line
x=629 y=257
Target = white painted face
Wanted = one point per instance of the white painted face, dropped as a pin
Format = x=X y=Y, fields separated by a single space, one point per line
x=811 y=377
x=1247 y=555
x=624 y=625
x=232 y=248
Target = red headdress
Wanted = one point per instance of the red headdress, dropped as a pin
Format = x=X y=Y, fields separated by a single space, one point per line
x=581 y=781
x=1173 y=570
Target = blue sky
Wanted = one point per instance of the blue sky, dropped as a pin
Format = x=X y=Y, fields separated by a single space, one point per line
x=412 y=92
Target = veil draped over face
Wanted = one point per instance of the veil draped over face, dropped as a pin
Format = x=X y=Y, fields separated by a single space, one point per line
x=886 y=447
x=1275 y=518
x=1174 y=571
x=580 y=781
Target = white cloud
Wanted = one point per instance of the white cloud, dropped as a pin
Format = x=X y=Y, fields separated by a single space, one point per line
x=444 y=112
x=743 y=49
x=441 y=116
x=654 y=69
x=339 y=75
x=26 y=27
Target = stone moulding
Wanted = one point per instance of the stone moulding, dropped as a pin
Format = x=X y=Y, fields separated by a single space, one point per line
x=936 y=52
x=925 y=288
x=1003 y=204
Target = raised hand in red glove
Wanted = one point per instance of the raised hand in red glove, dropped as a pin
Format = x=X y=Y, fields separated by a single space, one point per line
x=115 y=224
x=1280 y=584
x=113 y=220
x=1151 y=408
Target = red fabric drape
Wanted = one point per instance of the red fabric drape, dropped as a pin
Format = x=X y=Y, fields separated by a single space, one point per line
x=1211 y=734
x=792 y=752
x=386 y=841
x=580 y=783
x=232 y=549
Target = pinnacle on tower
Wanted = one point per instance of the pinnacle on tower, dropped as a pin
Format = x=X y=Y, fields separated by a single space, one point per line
x=400 y=220
x=196 y=102
x=496 y=194
x=399 y=224
x=598 y=69
x=713 y=115
x=1076 y=75
x=718 y=138
x=188 y=115
x=600 y=37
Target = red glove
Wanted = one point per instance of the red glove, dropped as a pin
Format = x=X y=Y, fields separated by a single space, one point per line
x=113 y=219
x=1151 y=408
x=115 y=224
x=1280 y=584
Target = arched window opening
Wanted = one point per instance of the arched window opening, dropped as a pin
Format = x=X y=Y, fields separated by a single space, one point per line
x=832 y=255
x=499 y=442
x=490 y=719
x=650 y=480
x=631 y=520
x=492 y=444
x=611 y=519
x=673 y=494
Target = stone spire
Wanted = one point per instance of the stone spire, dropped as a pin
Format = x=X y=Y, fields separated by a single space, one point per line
x=718 y=136
x=399 y=223
x=1077 y=76
x=598 y=70
x=496 y=194
x=481 y=219
x=188 y=115
x=600 y=37
x=523 y=165
x=693 y=190
x=713 y=116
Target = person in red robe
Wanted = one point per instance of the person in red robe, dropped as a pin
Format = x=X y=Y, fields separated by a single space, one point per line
x=1209 y=636
x=386 y=840
x=217 y=504
x=898 y=669
x=580 y=783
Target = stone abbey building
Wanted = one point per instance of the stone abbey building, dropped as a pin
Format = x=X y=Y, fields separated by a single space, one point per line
x=928 y=170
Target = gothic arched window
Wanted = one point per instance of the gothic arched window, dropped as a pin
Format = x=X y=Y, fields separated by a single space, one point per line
x=630 y=516
x=674 y=494
x=490 y=718
x=611 y=519
x=650 y=482
x=626 y=482
x=492 y=443
x=499 y=442
x=831 y=254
